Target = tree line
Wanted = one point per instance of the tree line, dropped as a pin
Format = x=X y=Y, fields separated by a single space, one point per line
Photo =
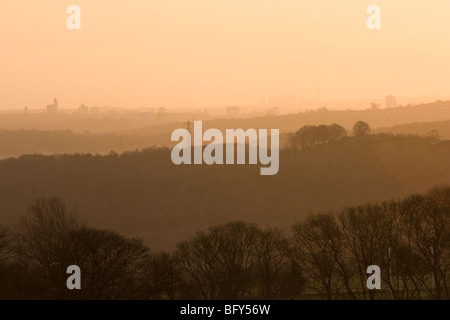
x=325 y=256
x=310 y=135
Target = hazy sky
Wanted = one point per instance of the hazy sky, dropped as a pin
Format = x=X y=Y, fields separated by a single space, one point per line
x=210 y=53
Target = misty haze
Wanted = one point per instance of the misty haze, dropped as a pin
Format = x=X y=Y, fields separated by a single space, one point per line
x=87 y=123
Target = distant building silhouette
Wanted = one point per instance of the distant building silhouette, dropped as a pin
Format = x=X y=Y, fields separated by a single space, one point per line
x=391 y=102
x=83 y=109
x=147 y=115
x=162 y=110
x=52 y=108
x=375 y=106
x=162 y=114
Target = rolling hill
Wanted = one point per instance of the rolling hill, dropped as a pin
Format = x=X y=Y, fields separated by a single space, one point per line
x=144 y=194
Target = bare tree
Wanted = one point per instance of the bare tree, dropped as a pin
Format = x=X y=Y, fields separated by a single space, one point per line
x=235 y=242
x=219 y=264
x=272 y=263
x=361 y=128
x=198 y=267
x=365 y=230
x=44 y=242
x=8 y=289
x=162 y=277
x=337 y=132
x=318 y=246
x=113 y=266
x=426 y=223
x=6 y=248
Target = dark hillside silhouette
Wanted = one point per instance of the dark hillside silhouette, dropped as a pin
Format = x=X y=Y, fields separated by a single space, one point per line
x=323 y=256
x=143 y=194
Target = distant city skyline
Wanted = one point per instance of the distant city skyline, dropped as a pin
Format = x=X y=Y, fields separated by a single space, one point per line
x=208 y=54
x=267 y=106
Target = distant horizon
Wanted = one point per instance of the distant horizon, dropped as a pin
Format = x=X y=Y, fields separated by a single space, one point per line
x=332 y=105
x=225 y=150
x=206 y=54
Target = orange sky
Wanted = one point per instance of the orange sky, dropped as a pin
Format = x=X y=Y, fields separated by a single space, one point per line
x=211 y=53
